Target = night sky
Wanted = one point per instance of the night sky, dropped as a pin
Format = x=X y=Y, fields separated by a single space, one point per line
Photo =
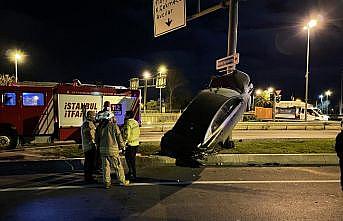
x=112 y=41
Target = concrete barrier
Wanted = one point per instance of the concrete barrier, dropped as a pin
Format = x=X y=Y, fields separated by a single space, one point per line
x=272 y=159
x=159 y=118
x=16 y=167
x=331 y=125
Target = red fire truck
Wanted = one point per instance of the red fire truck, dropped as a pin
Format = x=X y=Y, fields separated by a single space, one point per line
x=55 y=111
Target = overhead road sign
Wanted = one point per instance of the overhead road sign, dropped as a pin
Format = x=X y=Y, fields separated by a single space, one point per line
x=228 y=62
x=134 y=83
x=161 y=80
x=169 y=15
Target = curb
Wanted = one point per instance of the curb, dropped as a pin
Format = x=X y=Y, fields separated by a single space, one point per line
x=327 y=159
x=15 y=167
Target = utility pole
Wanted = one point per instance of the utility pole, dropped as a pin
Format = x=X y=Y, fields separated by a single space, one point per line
x=232 y=30
x=306 y=76
x=160 y=100
x=232 y=7
x=340 y=100
x=145 y=91
x=274 y=106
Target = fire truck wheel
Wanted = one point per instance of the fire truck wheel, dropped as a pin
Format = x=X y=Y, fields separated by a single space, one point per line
x=7 y=141
x=4 y=142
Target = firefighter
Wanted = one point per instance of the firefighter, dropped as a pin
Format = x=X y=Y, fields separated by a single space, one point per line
x=339 y=150
x=88 y=145
x=131 y=134
x=110 y=141
x=106 y=108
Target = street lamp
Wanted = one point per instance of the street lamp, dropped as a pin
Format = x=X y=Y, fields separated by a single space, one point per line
x=258 y=92
x=146 y=76
x=161 y=81
x=162 y=69
x=270 y=90
x=311 y=24
x=327 y=93
x=321 y=101
x=16 y=56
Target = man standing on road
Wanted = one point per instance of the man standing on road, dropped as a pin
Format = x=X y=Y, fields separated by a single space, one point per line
x=131 y=134
x=106 y=108
x=88 y=145
x=110 y=140
x=339 y=151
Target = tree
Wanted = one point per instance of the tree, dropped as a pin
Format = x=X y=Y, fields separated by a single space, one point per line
x=152 y=105
x=175 y=79
x=182 y=97
x=6 y=79
x=263 y=100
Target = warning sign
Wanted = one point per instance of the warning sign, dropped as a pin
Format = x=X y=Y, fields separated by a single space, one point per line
x=169 y=15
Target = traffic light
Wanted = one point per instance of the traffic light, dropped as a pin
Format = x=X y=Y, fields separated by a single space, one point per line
x=278 y=98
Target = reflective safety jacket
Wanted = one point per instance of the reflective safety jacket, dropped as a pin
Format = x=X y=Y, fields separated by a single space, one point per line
x=109 y=138
x=131 y=132
x=88 y=135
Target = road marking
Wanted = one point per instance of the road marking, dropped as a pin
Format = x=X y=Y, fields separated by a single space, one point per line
x=176 y=183
x=233 y=182
x=43 y=188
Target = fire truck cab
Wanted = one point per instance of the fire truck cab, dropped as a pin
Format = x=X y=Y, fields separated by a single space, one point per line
x=55 y=111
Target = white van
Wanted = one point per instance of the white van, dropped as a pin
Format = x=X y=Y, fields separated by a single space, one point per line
x=296 y=110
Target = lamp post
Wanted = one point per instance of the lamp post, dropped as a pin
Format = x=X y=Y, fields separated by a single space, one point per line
x=327 y=93
x=16 y=56
x=146 y=76
x=271 y=92
x=161 y=81
x=321 y=101
x=340 y=100
x=312 y=23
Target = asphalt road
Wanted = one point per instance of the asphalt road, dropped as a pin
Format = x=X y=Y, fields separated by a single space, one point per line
x=260 y=134
x=175 y=193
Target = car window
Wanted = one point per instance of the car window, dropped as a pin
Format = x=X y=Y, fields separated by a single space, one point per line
x=9 y=99
x=225 y=111
x=33 y=99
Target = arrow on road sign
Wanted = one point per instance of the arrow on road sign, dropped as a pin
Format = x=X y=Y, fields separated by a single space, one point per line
x=169 y=22
x=169 y=15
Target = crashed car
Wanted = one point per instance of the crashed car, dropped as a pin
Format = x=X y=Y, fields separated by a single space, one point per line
x=206 y=124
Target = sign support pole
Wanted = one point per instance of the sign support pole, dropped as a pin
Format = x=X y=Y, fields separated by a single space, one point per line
x=232 y=30
x=145 y=91
x=160 y=100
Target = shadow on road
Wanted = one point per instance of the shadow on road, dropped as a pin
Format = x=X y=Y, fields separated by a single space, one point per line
x=92 y=202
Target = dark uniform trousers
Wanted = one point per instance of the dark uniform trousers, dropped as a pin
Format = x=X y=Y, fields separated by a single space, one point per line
x=130 y=157
x=90 y=164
